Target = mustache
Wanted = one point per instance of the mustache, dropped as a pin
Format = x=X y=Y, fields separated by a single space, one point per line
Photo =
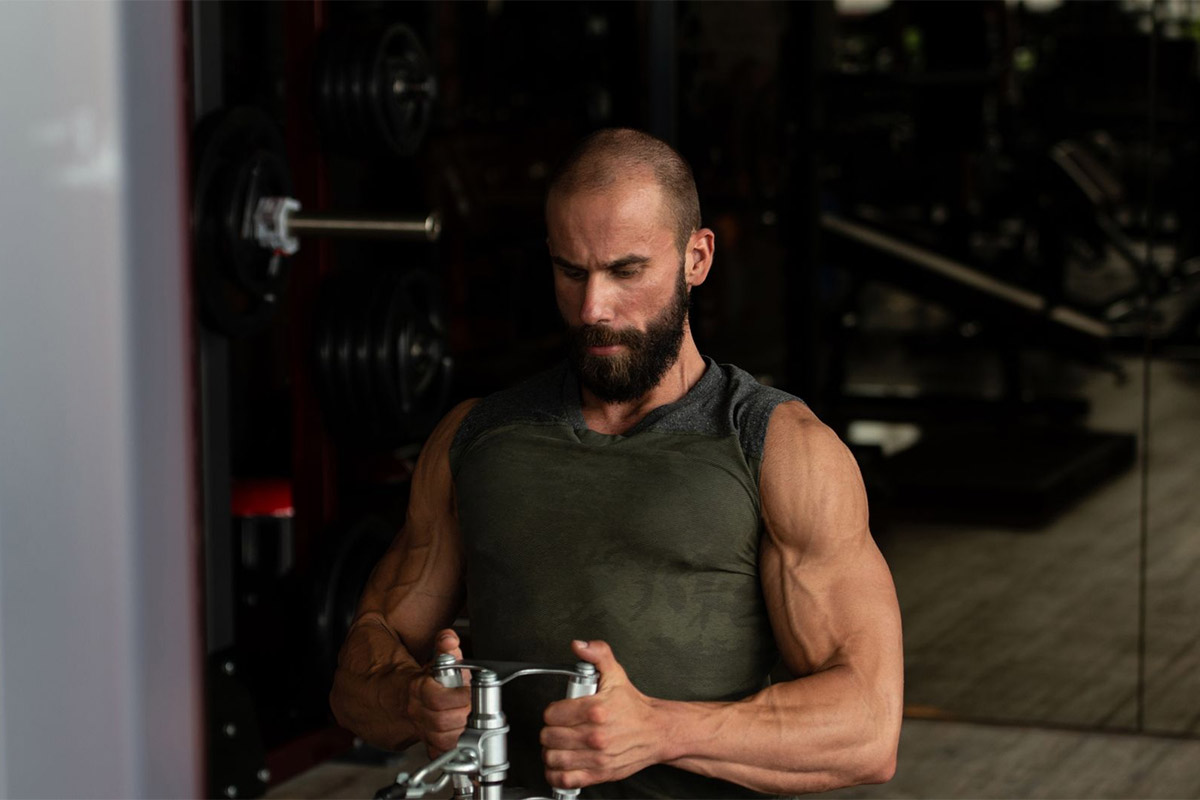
x=604 y=336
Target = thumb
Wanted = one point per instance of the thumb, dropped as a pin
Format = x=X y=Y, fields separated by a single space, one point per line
x=447 y=641
x=599 y=653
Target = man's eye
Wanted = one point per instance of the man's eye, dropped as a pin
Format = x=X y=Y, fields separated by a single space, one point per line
x=625 y=273
x=572 y=274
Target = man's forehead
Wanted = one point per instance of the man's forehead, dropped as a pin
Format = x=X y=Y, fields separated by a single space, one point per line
x=636 y=186
x=632 y=202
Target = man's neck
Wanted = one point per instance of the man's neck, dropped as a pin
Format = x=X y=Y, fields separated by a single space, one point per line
x=616 y=418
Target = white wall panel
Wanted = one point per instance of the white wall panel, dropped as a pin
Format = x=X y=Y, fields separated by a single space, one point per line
x=99 y=658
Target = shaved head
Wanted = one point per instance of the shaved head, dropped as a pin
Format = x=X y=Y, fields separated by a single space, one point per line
x=617 y=154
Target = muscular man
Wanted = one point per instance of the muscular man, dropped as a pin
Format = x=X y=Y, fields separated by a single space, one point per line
x=645 y=509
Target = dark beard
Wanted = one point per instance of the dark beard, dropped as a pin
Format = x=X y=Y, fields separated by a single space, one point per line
x=632 y=374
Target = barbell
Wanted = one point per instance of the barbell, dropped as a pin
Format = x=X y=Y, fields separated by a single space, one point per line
x=381 y=357
x=245 y=221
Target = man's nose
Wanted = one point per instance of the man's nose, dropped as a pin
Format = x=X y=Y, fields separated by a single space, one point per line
x=597 y=307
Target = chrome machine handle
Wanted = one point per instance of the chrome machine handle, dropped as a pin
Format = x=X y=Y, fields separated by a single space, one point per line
x=479 y=764
x=451 y=678
x=501 y=672
x=578 y=687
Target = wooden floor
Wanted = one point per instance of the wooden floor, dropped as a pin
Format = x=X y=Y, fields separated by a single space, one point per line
x=937 y=759
x=344 y=780
x=1037 y=626
x=953 y=760
x=1043 y=625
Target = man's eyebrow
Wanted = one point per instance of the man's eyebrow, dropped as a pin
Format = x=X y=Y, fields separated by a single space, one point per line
x=623 y=261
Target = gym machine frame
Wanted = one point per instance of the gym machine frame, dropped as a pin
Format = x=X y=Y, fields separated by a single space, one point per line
x=478 y=765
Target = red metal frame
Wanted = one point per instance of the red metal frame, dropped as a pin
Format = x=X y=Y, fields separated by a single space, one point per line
x=313 y=456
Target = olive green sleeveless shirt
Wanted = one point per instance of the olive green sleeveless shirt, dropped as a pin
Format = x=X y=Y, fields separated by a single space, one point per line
x=647 y=540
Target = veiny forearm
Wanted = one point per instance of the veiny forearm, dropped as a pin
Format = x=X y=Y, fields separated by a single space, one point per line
x=370 y=687
x=811 y=734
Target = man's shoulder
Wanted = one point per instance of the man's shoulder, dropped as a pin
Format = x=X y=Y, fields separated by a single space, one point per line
x=749 y=405
x=536 y=400
x=748 y=393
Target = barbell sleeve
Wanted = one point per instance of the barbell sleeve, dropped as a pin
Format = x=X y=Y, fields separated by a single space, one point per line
x=362 y=226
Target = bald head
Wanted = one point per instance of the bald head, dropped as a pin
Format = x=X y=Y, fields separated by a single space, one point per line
x=612 y=155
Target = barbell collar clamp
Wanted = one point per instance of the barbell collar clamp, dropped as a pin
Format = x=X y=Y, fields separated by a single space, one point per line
x=272 y=217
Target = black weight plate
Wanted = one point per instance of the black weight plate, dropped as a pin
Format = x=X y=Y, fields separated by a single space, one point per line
x=326 y=355
x=342 y=68
x=261 y=174
x=358 y=308
x=385 y=348
x=384 y=392
x=359 y=97
x=400 y=338
x=344 y=352
x=333 y=112
x=401 y=120
x=374 y=308
x=323 y=89
x=423 y=359
x=224 y=306
x=230 y=310
x=357 y=110
x=223 y=141
x=425 y=375
x=348 y=113
x=368 y=302
x=402 y=358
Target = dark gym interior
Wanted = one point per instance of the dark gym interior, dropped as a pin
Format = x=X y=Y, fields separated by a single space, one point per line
x=966 y=234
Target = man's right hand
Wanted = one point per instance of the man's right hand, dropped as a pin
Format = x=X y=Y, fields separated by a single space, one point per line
x=439 y=714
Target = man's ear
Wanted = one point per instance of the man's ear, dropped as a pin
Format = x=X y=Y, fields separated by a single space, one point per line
x=701 y=247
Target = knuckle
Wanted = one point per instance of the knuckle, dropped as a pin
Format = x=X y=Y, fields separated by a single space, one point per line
x=596 y=740
x=442 y=741
x=446 y=721
x=443 y=699
x=597 y=714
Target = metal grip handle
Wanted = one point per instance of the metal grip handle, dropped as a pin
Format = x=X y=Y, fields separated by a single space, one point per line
x=583 y=684
x=445 y=673
x=451 y=678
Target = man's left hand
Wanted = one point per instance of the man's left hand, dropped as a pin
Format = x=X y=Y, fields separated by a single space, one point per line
x=605 y=737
